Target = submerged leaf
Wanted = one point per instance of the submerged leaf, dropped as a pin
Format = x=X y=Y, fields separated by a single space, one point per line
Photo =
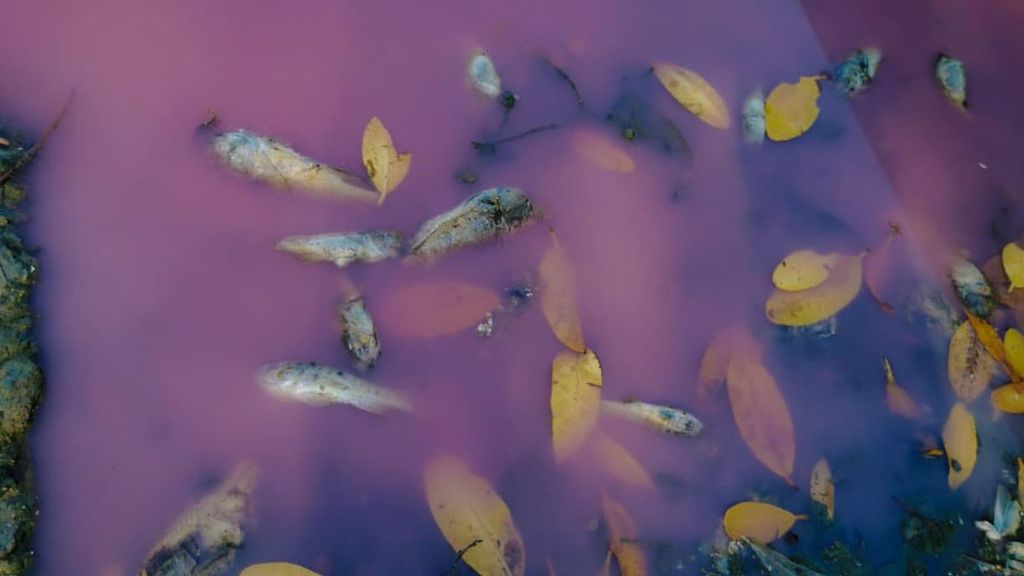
x=729 y=342
x=468 y=510
x=277 y=569
x=621 y=463
x=753 y=118
x=386 y=167
x=1009 y=398
x=969 y=365
x=694 y=93
x=1013 y=347
x=802 y=270
x=600 y=151
x=761 y=415
x=558 y=296
x=1013 y=264
x=758 y=521
x=952 y=76
x=791 y=109
x=575 y=399
x=989 y=338
x=823 y=489
x=267 y=160
x=435 y=308
x=856 y=73
x=898 y=400
x=960 y=438
x=621 y=536
x=811 y=306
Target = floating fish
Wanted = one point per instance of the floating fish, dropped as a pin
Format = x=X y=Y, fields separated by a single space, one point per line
x=319 y=385
x=753 y=118
x=344 y=248
x=514 y=299
x=484 y=216
x=267 y=160
x=359 y=333
x=663 y=418
x=972 y=288
x=483 y=76
x=205 y=538
x=952 y=76
x=856 y=73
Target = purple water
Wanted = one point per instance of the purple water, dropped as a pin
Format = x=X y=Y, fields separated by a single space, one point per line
x=162 y=293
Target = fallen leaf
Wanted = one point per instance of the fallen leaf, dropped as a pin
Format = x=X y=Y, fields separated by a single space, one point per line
x=877 y=266
x=1013 y=347
x=802 y=270
x=621 y=535
x=791 y=109
x=694 y=93
x=1013 y=264
x=601 y=151
x=386 y=167
x=558 y=296
x=575 y=399
x=467 y=509
x=989 y=338
x=969 y=365
x=761 y=415
x=1009 y=398
x=823 y=489
x=758 y=521
x=960 y=437
x=435 y=308
x=621 y=463
x=808 y=307
x=899 y=401
x=277 y=569
x=727 y=343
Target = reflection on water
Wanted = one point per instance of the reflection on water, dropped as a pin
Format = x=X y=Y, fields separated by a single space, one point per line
x=164 y=294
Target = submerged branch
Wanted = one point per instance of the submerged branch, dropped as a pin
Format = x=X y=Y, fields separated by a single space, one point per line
x=35 y=149
x=568 y=80
x=492 y=145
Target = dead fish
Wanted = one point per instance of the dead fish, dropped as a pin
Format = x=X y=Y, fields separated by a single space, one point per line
x=753 y=118
x=972 y=288
x=204 y=539
x=484 y=216
x=663 y=418
x=319 y=385
x=344 y=248
x=267 y=160
x=952 y=76
x=515 y=298
x=483 y=76
x=856 y=73
x=359 y=333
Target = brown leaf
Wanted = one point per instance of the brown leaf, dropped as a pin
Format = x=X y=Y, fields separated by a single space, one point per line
x=385 y=166
x=621 y=534
x=761 y=415
x=729 y=342
x=899 y=401
x=969 y=365
x=558 y=296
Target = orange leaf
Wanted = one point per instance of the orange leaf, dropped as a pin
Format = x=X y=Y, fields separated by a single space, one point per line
x=435 y=308
x=989 y=338
x=621 y=463
x=758 y=521
x=621 y=535
x=899 y=401
x=876 y=269
x=761 y=415
x=1009 y=398
x=558 y=296
x=729 y=342
x=601 y=151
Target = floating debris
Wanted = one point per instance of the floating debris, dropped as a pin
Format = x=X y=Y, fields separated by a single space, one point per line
x=662 y=418
x=266 y=160
x=359 y=333
x=791 y=109
x=856 y=73
x=694 y=93
x=386 y=167
x=483 y=76
x=753 y=118
x=203 y=541
x=952 y=76
x=483 y=217
x=972 y=288
x=319 y=385
x=344 y=248
x=514 y=299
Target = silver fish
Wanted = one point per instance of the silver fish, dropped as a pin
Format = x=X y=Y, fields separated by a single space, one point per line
x=662 y=418
x=345 y=248
x=359 y=333
x=483 y=76
x=857 y=72
x=482 y=217
x=972 y=288
x=267 y=160
x=204 y=539
x=952 y=76
x=753 y=118
x=319 y=385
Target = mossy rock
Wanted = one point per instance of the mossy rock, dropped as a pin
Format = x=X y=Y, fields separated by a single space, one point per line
x=21 y=384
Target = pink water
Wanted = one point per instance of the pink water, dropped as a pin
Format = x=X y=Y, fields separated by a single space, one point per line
x=162 y=294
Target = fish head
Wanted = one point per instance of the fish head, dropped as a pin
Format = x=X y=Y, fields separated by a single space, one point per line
x=512 y=207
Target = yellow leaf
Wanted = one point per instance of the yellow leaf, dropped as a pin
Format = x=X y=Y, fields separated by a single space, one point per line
x=621 y=463
x=989 y=338
x=1009 y=398
x=558 y=296
x=960 y=438
x=823 y=489
x=385 y=166
x=811 y=306
x=1013 y=347
x=729 y=342
x=435 y=308
x=694 y=93
x=1013 y=264
x=761 y=415
x=466 y=510
x=803 y=269
x=575 y=399
x=758 y=521
x=791 y=109
x=899 y=401
x=621 y=536
x=601 y=151
x=277 y=569
x=969 y=365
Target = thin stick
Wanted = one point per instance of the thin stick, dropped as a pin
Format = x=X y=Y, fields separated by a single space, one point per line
x=458 y=557
x=491 y=145
x=34 y=150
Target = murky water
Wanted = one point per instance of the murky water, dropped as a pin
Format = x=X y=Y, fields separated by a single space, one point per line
x=162 y=294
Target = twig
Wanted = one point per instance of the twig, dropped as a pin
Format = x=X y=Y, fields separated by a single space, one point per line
x=568 y=80
x=34 y=150
x=492 y=145
x=458 y=557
